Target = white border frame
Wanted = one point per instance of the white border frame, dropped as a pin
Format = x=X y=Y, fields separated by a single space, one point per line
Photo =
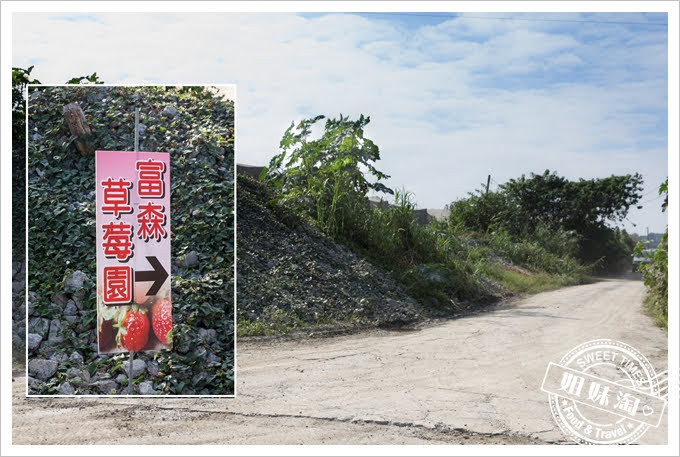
x=27 y=258
x=670 y=7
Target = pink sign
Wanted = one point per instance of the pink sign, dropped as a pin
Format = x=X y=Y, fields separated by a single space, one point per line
x=134 y=310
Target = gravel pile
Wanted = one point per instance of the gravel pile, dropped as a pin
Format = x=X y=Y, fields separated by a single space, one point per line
x=291 y=275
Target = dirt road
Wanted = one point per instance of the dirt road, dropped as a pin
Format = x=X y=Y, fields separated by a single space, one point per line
x=471 y=380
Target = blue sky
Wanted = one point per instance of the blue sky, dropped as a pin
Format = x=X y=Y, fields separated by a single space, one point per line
x=452 y=97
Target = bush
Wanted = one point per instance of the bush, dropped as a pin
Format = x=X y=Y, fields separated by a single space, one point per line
x=322 y=177
x=655 y=275
x=567 y=218
x=480 y=212
x=532 y=254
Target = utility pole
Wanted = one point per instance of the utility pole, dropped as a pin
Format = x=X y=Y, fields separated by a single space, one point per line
x=488 y=180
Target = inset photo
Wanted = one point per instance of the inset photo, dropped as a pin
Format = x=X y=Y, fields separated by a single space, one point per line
x=130 y=240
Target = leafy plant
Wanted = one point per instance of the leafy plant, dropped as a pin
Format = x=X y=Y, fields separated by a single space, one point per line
x=323 y=177
x=655 y=273
x=92 y=79
x=20 y=79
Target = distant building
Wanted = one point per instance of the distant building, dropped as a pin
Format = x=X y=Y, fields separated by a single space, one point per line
x=249 y=170
x=422 y=216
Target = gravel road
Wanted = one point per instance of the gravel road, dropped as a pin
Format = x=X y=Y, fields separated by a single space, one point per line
x=471 y=380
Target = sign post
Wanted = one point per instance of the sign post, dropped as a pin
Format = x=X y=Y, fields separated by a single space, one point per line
x=131 y=389
x=134 y=311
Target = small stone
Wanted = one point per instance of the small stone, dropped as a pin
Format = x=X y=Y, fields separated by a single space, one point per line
x=17 y=341
x=74 y=281
x=152 y=367
x=37 y=136
x=102 y=375
x=56 y=327
x=81 y=378
x=66 y=389
x=169 y=111
x=212 y=358
x=33 y=341
x=106 y=386
x=39 y=325
x=207 y=335
x=59 y=357
x=184 y=347
x=190 y=259
x=82 y=327
x=120 y=378
x=138 y=367
x=146 y=388
x=76 y=359
x=142 y=129
x=42 y=369
x=78 y=299
x=70 y=309
x=17 y=286
x=59 y=298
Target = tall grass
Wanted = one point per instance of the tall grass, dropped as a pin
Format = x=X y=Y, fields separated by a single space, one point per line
x=533 y=254
x=437 y=262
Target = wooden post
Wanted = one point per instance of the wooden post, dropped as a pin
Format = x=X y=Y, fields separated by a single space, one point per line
x=75 y=119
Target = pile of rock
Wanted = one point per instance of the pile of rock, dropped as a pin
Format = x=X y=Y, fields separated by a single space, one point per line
x=18 y=305
x=288 y=270
x=59 y=344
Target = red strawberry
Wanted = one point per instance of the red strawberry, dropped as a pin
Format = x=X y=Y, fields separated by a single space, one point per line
x=133 y=330
x=161 y=320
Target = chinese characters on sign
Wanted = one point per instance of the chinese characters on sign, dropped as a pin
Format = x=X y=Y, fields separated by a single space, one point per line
x=133 y=246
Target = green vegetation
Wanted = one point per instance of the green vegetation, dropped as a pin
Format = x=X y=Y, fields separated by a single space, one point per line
x=472 y=256
x=20 y=79
x=199 y=138
x=322 y=177
x=565 y=217
x=655 y=273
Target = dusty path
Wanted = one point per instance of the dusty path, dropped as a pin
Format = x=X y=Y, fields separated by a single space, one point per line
x=471 y=380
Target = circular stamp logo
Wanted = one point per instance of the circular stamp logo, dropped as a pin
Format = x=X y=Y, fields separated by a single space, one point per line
x=605 y=392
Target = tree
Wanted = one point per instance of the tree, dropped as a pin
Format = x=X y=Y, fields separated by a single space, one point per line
x=324 y=177
x=583 y=207
x=573 y=205
x=20 y=79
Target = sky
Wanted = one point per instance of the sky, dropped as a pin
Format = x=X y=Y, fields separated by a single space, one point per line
x=452 y=97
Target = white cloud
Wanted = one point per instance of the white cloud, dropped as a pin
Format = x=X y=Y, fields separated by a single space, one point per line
x=449 y=103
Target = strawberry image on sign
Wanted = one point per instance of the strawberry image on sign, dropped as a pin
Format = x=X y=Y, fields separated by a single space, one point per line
x=161 y=320
x=133 y=330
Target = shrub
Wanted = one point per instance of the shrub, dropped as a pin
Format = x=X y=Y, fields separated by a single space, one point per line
x=323 y=177
x=655 y=273
x=567 y=218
